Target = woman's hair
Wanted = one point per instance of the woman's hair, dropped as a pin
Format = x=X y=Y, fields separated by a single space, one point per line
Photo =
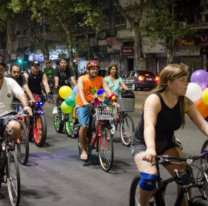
x=170 y=73
x=110 y=67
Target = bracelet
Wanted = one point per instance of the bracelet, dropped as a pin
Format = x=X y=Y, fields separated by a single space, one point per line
x=25 y=105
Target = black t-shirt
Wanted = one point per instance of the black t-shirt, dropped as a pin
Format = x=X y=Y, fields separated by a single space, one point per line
x=34 y=82
x=64 y=76
x=20 y=80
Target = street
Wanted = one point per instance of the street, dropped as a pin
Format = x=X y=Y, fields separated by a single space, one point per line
x=55 y=175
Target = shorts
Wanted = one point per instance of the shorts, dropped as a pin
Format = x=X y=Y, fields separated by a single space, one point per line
x=139 y=146
x=83 y=114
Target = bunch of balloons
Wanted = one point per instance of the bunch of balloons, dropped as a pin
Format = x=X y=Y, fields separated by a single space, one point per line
x=197 y=91
x=98 y=95
x=66 y=93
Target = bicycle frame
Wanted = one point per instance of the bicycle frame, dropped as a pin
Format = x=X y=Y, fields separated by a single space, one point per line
x=184 y=191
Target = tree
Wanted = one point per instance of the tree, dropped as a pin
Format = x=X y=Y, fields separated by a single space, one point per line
x=162 y=23
x=135 y=20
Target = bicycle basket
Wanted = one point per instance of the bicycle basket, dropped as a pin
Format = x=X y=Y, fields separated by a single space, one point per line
x=105 y=113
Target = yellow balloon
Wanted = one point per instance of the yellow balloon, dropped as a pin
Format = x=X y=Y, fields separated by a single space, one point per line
x=205 y=96
x=65 y=91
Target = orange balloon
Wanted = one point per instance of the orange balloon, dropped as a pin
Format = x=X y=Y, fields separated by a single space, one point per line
x=202 y=107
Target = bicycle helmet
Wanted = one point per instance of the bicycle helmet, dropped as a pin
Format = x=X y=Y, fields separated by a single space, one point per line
x=93 y=63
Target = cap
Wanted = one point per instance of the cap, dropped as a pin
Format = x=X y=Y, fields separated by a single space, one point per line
x=3 y=64
x=34 y=63
x=48 y=61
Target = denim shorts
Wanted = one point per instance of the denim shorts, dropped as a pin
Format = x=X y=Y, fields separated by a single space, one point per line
x=83 y=114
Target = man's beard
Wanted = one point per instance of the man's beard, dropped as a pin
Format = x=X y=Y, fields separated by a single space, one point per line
x=93 y=76
x=1 y=76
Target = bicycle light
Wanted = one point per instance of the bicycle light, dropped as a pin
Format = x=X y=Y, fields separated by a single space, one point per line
x=39 y=104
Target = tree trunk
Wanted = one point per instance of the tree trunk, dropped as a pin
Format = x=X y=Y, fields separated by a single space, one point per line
x=137 y=49
x=169 y=56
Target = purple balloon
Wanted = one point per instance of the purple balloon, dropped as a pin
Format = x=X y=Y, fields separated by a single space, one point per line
x=200 y=77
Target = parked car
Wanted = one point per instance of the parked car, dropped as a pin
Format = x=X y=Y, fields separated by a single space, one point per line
x=140 y=79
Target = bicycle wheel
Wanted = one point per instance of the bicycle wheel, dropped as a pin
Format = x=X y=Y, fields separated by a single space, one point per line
x=58 y=123
x=134 y=199
x=105 y=150
x=13 y=178
x=23 y=145
x=40 y=130
x=69 y=126
x=126 y=130
x=200 y=202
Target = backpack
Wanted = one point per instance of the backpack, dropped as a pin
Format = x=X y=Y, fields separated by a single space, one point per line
x=127 y=94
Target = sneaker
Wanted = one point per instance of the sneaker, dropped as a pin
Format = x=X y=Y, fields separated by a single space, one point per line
x=55 y=110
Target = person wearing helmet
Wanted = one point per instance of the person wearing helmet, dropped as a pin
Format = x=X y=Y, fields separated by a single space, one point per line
x=84 y=96
x=62 y=76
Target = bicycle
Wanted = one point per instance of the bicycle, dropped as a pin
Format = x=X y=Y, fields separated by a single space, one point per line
x=126 y=127
x=98 y=135
x=23 y=141
x=38 y=129
x=9 y=167
x=186 y=180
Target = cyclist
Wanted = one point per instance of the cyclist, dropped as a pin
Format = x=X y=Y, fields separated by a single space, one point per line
x=85 y=85
x=113 y=79
x=15 y=73
x=8 y=89
x=48 y=70
x=62 y=76
x=35 y=78
x=163 y=113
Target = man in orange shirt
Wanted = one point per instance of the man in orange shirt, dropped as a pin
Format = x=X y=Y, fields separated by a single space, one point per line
x=85 y=85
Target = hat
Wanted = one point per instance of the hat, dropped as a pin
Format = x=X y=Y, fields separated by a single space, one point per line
x=35 y=63
x=48 y=61
x=3 y=64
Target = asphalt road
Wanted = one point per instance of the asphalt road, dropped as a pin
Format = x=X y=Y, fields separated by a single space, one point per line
x=55 y=175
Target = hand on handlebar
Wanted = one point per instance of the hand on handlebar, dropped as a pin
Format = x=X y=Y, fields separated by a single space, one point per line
x=86 y=104
x=116 y=105
x=149 y=155
x=29 y=110
x=31 y=102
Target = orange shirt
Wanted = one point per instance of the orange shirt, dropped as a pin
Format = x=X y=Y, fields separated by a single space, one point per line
x=88 y=85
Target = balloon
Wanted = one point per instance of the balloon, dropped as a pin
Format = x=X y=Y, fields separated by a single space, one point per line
x=205 y=96
x=70 y=100
x=194 y=92
x=202 y=107
x=101 y=98
x=64 y=91
x=94 y=90
x=65 y=108
x=75 y=90
x=200 y=77
x=96 y=102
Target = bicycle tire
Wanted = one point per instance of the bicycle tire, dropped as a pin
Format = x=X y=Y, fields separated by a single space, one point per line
x=40 y=132
x=126 y=140
x=105 y=163
x=69 y=126
x=58 y=123
x=134 y=196
x=199 y=202
x=23 y=145
x=14 y=200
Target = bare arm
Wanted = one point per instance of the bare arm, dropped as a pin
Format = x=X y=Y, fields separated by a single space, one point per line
x=26 y=76
x=73 y=81
x=45 y=83
x=196 y=117
x=81 y=91
x=29 y=93
x=123 y=85
x=23 y=100
x=106 y=87
x=56 y=80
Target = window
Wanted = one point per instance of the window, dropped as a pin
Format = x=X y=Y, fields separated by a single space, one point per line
x=132 y=74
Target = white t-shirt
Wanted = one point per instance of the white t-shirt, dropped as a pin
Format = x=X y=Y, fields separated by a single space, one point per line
x=9 y=89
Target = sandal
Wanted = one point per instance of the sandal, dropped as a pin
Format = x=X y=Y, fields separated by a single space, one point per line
x=84 y=157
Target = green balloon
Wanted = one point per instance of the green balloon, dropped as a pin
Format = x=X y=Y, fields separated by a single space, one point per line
x=70 y=100
x=65 y=108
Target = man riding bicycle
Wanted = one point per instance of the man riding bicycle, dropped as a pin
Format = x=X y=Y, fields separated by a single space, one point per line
x=9 y=88
x=48 y=70
x=85 y=85
x=62 y=76
x=15 y=73
x=35 y=78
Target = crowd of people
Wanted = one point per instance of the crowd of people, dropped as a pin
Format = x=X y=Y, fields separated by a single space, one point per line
x=163 y=113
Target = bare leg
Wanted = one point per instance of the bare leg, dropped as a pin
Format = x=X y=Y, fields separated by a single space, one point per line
x=146 y=167
x=82 y=139
x=15 y=125
x=181 y=168
x=57 y=99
